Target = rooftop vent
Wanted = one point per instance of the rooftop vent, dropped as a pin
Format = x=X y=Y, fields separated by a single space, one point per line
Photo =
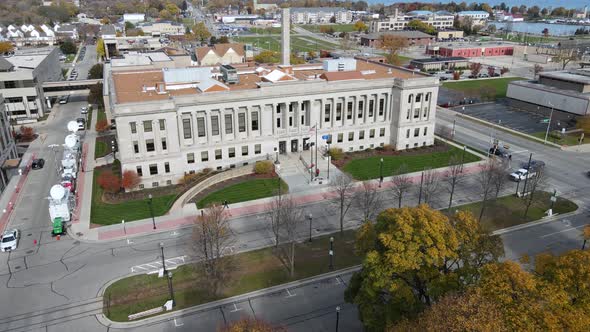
x=229 y=74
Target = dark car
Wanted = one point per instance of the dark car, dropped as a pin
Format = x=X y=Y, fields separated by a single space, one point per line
x=500 y=152
x=535 y=164
x=38 y=163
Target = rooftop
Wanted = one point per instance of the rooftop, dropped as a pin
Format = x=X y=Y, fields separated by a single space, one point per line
x=435 y=60
x=317 y=9
x=26 y=61
x=161 y=84
x=552 y=89
x=581 y=76
x=476 y=45
x=403 y=33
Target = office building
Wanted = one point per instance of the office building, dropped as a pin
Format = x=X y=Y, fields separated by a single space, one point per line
x=316 y=15
x=399 y=21
x=8 y=153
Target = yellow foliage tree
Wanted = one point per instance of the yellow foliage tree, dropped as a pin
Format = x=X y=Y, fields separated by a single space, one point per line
x=100 y=50
x=360 y=26
x=6 y=47
x=393 y=44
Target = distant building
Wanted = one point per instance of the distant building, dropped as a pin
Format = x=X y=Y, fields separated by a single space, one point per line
x=478 y=17
x=8 y=153
x=567 y=91
x=119 y=45
x=28 y=35
x=264 y=6
x=21 y=78
x=133 y=18
x=230 y=53
x=66 y=31
x=413 y=38
x=471 y=50
x=399 y=21
x=161 y=28
x=316 y=15
x=449 y=34
x=108 y=31
x=429 y=64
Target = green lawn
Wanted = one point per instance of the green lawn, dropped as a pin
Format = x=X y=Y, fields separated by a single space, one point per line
x=499 y=84
x=70 y=58
x=368 y=168
x=251 y=271
x=89 y=117
x=509 y=210
x=264 y=42
x=102 y=115
x=244 y=191
x=558 y=139
x=404 y=59
x=266 y=31
x=336 y=27
x=298 y=43
x=101 y=149
x=107 y=214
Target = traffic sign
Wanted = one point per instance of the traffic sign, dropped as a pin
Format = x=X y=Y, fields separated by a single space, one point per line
x=325 y=137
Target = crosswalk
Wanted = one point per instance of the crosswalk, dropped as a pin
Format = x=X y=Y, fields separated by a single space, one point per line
x=154 y=267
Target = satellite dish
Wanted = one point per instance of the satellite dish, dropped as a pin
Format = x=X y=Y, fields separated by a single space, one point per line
x=73 y=126
x=71 y=140
x=57 y=192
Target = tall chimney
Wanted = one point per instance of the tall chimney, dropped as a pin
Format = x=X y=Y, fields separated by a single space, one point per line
x=286 y=37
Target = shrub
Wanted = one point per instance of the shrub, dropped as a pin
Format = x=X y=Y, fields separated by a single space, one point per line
x=387 y=147
x=130 y=179
x=263 y=167
x=102 y=126
x=189 y=178
x=109 y=182
x=336 y=153
x=27 y=133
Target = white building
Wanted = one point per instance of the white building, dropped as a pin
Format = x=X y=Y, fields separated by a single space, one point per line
x=133 y=18
x=161 y=28
x=27 y=35
x=440 y=20
x=478 y=17
x=315 y=15
x=171 y=122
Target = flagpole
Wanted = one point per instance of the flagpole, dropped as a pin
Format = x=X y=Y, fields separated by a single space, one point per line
x=316 y=148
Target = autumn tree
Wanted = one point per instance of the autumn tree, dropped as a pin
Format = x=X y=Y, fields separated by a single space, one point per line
x=343 y=187
x=201 y=32
x=487 y=92
x=504 y=70
x=393 y=44
x=454 y=176
x=475 y=68
x=251 y=325
x=585 y=235
x=212 y=241
x=360 y=26
x=109 y=182
x=267 y=57
x=100 y=50
x=102 y=126
x=583 y=123
x=27 y=133
x=6 y=47
x=491 y=71
x=457 y=75
x=412 y=258
x=537 y=69
x=422 y=26
x=130 y=179
x=367 y=201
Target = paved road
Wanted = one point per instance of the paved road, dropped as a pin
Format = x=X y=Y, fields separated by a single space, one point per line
x=54 y=284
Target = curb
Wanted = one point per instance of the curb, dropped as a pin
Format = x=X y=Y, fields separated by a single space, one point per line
x=533 y=223
x=219 y=303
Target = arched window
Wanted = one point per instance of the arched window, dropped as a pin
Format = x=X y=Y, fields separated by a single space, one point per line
x=427 y=97
x=410 y=98
x=418 y=97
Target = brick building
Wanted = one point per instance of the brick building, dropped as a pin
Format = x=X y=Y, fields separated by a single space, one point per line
x=470 y=51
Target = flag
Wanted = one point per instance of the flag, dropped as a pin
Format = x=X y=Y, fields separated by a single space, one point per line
x=312 y=128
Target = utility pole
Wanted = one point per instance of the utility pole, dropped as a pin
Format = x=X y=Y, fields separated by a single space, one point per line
x=420 y=194
x=527 y=176
x=548 y=124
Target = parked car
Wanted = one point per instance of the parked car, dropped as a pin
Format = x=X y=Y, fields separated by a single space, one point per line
x=484 y=75
x=500 y=152
x=38 y=163
x=535 y=164
x=9 y=240
x=64 y=99
x=84 y=110
x=522 y=174
x=113 y=124
x=81 y=120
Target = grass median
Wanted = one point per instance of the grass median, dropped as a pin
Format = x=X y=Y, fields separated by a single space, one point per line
x=252 y=271
x=475 y=87
x=101 y=149
x=245 y=191
x=558 y=138
x=509 y=210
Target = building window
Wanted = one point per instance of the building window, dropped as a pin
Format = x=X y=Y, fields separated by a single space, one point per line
x=340 y=137
x=139 y=171
x=167 y=167
x=168 y=182
x=162 y=124
x=278 y=122
x=360 y=110
x=164 y=146
x=427 y=97
x=381 y=132
x=133 y=127
x=231 y=152
x=381 y=106
x=153 y=169
x=218 y=154
x=190 y=158
x=200 y=127
x=135 y=147
x=410 y=97
x=149 y=145
x=425 y=130
x=371 y=107
x=257 y=148
x=408 y=114
x=408 y=133
x=362 y=134
x=229 y=124
x=155 y=184
x=418 y=97
x=147 y=126
x=338 y=111
x=244 y=150
x=416 y=113
x=186 y=128
x=349 y=111
x=214 y=125
x=425 y=111
x=255 y=121
x=350 y=136
x=205 y=156
x=416 y=132
x=372 y=133
x=242 y=122
x=141 y=186
x=327 y=110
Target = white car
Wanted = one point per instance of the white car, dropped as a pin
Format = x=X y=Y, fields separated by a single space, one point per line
x=84 y=110
x=522 y=174
x=9 y=240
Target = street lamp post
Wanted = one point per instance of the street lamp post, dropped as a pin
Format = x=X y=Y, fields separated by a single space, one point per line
x=548 y=124
x=152 y=210
x=380 y=172
x=163 y=261
x=337 y=317
x=310 y=217
x=171 y=289
x=331 y=253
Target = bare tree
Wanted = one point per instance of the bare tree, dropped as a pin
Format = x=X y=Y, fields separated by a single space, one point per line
x=344 y=189
x=454 y=176
x=274 y=217
x=566 y=53
x=368 y=202
x=212 y=239
x=291 y=216
x=485 y=179
x=499 y=179
x=535 y=183
x=429 y=186
x=401 y=183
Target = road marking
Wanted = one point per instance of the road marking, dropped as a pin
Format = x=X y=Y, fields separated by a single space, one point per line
x=338 y=280
x=129 y=241
x=236 y=308
x=562 y=231
x=176 y=323
x=154 y=267
x=289 y=293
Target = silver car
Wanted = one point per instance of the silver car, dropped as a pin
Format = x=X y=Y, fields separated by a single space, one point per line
x=9 y=240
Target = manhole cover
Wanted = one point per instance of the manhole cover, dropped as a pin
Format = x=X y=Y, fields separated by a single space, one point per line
x=29 y=234
x=17 y=267
x=76 y=242
x=30 y=251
